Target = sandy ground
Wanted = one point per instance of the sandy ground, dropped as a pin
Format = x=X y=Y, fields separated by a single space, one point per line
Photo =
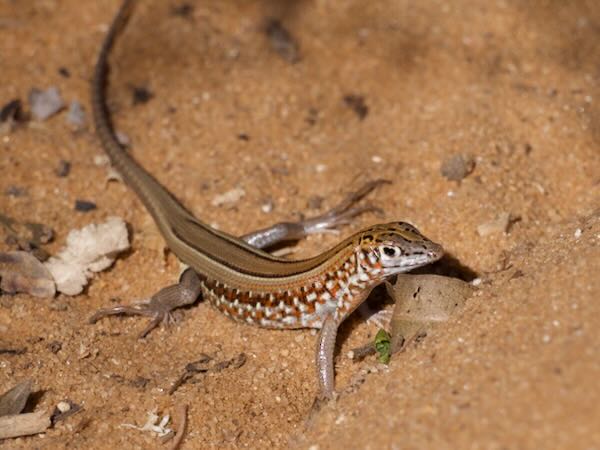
x=514 y=84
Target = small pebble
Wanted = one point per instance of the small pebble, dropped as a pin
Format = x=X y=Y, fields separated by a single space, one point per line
x=11 y=111
x=457 y=167
x=184 y=10
x=320 y=168
x=15 y=191
x=63 y=169
x=84 y=205
x=76 y=115
x=357 y=104
x=377 y=159
x=141 y=95
x=63 y=407
x=113 y=175
x=45 y=104
x=282 y=42
x=498 y=225
x=315 y=202
x=122 y=138
x=101 y=160
x=267 y=206
x=578 y=233
x=55 y=347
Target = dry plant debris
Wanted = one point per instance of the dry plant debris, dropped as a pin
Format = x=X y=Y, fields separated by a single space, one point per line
x=90 y=249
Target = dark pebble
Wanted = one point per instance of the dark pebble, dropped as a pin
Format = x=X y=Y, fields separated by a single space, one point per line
x=357 y=104
x=282 y=41
x=63 y=169
x=183 y=10
x=457 y=167
x=141 y=94
x=15 y=191
x=84 y=205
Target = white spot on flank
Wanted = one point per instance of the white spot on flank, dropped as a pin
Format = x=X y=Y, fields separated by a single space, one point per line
x=329 y=284
x=290 y=320
x=311 y=297
x=326 y=296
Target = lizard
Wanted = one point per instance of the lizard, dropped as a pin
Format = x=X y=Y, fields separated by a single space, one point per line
x=245 y=282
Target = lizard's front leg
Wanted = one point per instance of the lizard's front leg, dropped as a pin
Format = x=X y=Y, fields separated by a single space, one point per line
x=324 y=358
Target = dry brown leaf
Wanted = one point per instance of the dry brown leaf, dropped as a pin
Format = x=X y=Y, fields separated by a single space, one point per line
x=21 y=272
x=13 y=401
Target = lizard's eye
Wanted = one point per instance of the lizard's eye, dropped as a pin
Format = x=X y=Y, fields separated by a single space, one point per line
x=390 y=251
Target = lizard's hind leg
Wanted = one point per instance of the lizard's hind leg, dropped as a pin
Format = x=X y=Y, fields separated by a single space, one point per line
x=161 y=304
x=328 y=222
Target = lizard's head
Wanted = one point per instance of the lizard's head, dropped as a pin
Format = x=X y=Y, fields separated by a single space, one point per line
x=397 y=247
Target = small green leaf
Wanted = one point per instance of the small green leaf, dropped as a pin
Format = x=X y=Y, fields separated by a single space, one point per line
x=383 y=346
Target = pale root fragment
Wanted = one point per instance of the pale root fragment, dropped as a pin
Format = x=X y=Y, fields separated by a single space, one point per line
x=154 y=424
x=92 y=248
x=228 y=198
x=22 y=272
x=24 y=424
x=13 y=424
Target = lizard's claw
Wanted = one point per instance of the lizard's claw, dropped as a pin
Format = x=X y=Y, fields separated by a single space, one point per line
x=148 y=308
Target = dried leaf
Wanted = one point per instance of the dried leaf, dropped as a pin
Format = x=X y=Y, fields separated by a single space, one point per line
x=13 y=401
x=21 y=272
